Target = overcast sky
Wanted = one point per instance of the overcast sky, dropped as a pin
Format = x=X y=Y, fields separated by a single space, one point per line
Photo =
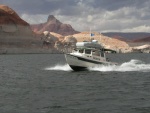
x=99 y=15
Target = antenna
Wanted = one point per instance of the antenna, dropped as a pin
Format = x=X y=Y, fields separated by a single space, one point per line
x=90 y=35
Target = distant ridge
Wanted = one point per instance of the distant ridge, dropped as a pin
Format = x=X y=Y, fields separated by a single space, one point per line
x=131 y=36
x=147 y=39
x=54 y=25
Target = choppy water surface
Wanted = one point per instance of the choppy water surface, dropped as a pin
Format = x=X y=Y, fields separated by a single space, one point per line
x=46 y=84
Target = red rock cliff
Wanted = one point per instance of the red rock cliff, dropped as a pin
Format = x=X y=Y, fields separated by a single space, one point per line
x=11 y=22
x=54 y=25
x=13 y=30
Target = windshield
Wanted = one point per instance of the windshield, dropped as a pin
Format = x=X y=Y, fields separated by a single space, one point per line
x=96 y=52
x=81 y=50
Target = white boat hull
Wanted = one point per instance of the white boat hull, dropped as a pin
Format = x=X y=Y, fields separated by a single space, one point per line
x=79 y=63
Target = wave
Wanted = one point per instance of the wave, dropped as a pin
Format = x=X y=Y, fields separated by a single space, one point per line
x=132 y=65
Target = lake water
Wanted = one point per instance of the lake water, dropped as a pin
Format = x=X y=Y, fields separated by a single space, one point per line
x=44 y=83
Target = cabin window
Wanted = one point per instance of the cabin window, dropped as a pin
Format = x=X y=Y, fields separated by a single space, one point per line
x=87 y=51
x=81 y=51
x=96 y=53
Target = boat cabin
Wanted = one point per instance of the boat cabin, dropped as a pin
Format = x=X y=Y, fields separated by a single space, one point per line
x=90 y=52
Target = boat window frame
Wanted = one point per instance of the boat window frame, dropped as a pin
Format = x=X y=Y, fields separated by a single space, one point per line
x=102 y=53
x=88 y=53
x=80 y=50
x=97 y=52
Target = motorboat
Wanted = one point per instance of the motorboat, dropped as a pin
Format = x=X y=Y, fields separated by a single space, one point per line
x=86 y=55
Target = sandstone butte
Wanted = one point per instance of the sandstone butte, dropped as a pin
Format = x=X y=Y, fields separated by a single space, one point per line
x=60 y=37
x=107 y=42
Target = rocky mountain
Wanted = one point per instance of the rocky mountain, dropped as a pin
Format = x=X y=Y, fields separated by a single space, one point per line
x=54 y=25
x=13 y=30
x=147 y=39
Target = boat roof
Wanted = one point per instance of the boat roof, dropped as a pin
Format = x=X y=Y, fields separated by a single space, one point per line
x=88 y=45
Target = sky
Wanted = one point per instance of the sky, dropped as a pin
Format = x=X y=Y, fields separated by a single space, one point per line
x=83 y=15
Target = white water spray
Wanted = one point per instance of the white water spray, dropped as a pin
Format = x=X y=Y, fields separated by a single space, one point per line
x=133 y=65
x=59 y=67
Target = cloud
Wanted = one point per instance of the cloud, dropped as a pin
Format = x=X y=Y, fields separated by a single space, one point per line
x=34 y=19
x=99 y=15
x=142 y=28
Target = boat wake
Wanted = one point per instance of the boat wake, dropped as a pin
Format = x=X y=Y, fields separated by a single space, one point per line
x=133 y=65
x=60 y=67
